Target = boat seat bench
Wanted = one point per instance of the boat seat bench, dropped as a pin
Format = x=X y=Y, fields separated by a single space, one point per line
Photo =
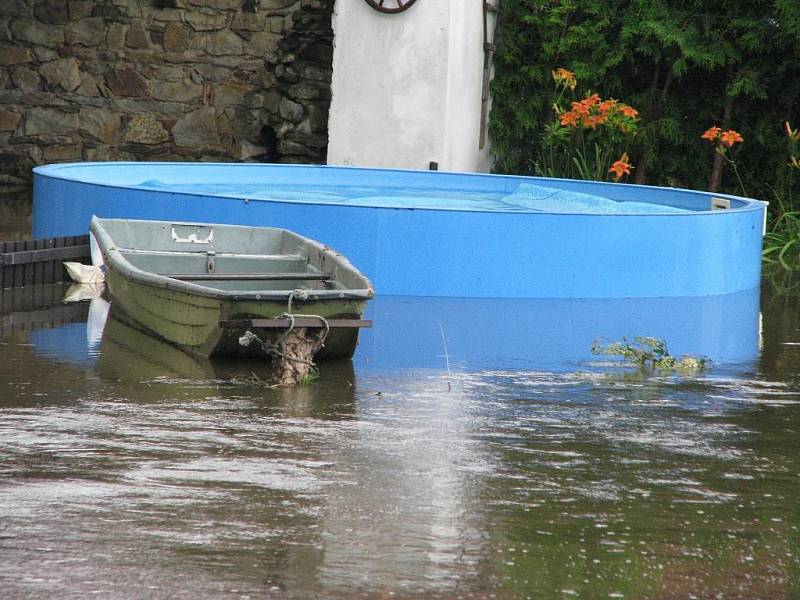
x=137 y=252
x=198 y=262
x=298 y=276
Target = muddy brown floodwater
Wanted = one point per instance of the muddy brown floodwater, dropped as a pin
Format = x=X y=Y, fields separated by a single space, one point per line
x=129 y=470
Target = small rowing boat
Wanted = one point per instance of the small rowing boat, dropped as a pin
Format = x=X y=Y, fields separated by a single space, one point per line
x=202 y=287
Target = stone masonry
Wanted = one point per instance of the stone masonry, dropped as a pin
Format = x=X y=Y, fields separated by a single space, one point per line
x=162 y=80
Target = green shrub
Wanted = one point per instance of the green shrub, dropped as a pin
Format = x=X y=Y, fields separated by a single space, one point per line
x=682 y=65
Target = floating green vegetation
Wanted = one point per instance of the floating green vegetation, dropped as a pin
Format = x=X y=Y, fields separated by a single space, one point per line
x=650 y=353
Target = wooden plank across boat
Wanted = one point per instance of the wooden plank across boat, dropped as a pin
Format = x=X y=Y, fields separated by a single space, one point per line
x=201 y=286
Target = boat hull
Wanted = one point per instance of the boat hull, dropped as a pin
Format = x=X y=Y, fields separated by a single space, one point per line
x=192 y=321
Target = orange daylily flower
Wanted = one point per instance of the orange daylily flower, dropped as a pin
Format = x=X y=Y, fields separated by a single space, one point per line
x=593 y=112
x=591 y=100
x=570 y=119
x=621 y=167
x=607 y=105
x=565 y=77
x=712 y=134
x=580 y=108
x=594 y=120
x=730 y=137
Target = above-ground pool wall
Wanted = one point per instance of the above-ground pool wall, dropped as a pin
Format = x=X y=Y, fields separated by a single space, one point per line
x=455 y=253
x=162 y=80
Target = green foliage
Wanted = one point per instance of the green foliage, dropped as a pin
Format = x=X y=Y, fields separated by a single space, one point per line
x=650 y=353
x=782 y=241
x=586 y=135
x=685 y=66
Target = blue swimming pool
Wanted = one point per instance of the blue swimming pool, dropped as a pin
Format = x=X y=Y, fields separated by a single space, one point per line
x=421 y=233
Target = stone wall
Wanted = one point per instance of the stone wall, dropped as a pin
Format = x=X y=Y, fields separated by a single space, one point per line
x=209 y=80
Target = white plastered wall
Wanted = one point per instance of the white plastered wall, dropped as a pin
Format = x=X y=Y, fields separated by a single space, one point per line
x=406 y=87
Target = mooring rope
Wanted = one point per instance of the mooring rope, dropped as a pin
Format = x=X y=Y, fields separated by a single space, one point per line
x=302 y=295
x=298 y=293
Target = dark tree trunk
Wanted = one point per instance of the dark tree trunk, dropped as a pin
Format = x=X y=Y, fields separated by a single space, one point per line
x=716 y=167
x=640 y=175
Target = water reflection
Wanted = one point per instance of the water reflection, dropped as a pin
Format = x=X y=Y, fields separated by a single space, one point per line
x=134 y=470
x=417 y=454
x=129 y=354
x=76 y=342
x=486 y=334
x=643 y=486
x=479 y=334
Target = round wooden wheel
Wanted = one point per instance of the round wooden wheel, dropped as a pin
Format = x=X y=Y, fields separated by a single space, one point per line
x=390 y=6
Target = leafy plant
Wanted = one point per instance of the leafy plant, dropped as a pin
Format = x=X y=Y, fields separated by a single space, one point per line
x=682 y=65
x=583 y=138
x=782 y=241
x=650 y=353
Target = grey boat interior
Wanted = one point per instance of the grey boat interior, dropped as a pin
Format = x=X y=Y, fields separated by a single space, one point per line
x=232 y=258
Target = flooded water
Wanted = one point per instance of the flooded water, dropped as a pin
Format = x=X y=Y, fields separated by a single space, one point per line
x=431 y=465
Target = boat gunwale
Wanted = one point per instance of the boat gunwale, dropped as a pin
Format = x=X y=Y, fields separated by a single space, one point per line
x=115 y=260
x=748 y=204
